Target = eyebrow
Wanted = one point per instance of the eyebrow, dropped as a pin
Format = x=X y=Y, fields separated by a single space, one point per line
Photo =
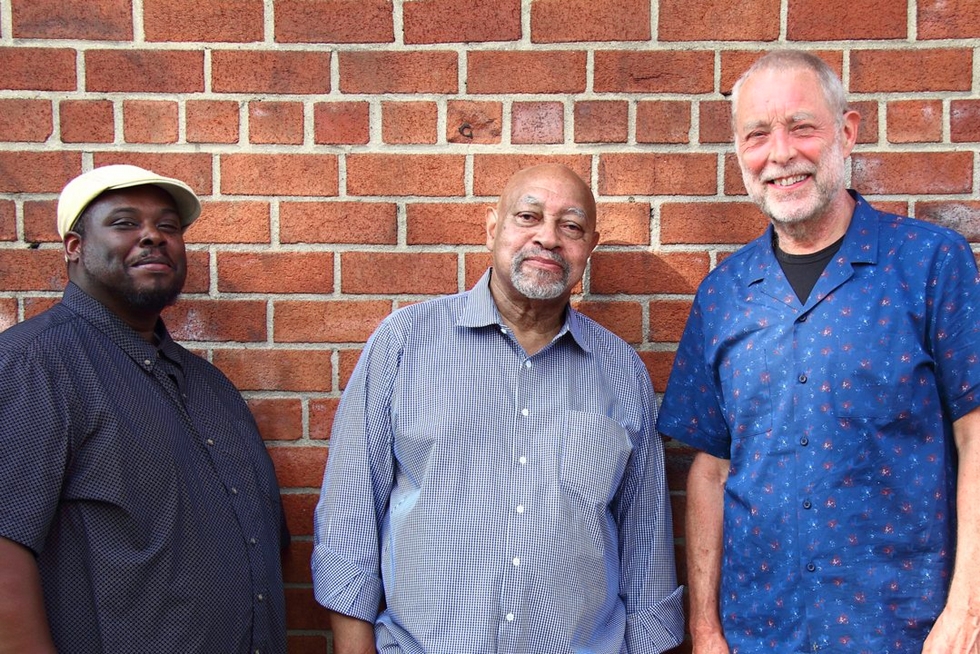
x=531 y=200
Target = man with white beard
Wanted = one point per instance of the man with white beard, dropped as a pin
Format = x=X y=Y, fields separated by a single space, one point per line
x=495 y=480
x=829 y=377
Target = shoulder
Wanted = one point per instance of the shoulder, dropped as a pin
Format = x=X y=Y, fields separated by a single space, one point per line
x=54 y=331
x=603 y=343
x=425 y=318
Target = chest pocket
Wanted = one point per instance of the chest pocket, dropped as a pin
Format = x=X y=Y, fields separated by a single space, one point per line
x=594 y=453
x=748 y=400
x=872 y=373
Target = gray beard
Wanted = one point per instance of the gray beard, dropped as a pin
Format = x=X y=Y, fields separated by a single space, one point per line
x=538 y=286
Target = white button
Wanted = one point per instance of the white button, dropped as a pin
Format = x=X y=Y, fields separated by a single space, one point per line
x=510 y=617
x=147 y=363
x=524 y=412
x=503 y=330
x=210 y=441
x=252 y=541
x=234 y=491
x=527 y=364
x=516 y=561
x=260 y=597
x=520 y=508
x=522 y=460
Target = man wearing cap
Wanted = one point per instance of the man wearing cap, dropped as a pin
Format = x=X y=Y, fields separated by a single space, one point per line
x=139 y=510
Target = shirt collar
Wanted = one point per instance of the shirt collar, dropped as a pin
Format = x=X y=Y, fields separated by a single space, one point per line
x=117 y=331
x=481 y=311
x=860 y=241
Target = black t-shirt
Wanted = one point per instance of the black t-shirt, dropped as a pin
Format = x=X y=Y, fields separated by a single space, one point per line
x=803 y=270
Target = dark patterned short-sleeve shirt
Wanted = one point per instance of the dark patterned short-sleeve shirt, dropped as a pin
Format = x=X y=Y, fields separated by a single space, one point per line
x=137 y=476
x=839 y=523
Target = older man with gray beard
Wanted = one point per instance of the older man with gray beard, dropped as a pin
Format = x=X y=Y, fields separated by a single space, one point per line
x=495 y=482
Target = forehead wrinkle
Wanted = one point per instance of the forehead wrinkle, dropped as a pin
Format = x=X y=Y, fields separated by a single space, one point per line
x=533 y=201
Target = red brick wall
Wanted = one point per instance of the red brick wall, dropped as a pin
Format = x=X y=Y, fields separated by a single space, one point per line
x=345 y=149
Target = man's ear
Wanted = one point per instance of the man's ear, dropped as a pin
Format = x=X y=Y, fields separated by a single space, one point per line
x=73 y=247
x=849 y=131
x=491 y=226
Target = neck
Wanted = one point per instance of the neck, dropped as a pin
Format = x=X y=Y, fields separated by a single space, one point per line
x=817 y=232
x=535 y=322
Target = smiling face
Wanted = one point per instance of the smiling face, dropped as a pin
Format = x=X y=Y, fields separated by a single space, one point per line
x=791 y=145
x=541 y=234
x=129 y=252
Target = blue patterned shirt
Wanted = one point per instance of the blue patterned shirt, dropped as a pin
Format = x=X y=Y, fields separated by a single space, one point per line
x=839 y=514
x=137 y=476
x=495 y=501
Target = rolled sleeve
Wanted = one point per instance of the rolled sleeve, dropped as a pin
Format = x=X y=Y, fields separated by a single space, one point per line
x=657 y=628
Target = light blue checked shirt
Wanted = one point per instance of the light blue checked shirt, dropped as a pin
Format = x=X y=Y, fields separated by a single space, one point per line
x=497 y=502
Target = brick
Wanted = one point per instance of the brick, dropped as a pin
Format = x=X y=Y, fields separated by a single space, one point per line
x=562 y=21
x=719 y=20
x=279 y=174
x=647 y=272
x=275 y=122
x=348 y=360
x=601 y=121
x=267 y=71
x=657 y=174
x=915 y=121
x=878 y=71
x=332 y=321
x=733 y=176
x=269 y=369
x=839 y=20
x=193 y=168
x=279 y=419
x=149 y=121
x=334 y=21
x=217 y=320
x=226 y=21
x=887 y=173
x=8 y=313
x=375 y=72
x=25 y=120
x=86 y=121
x=491 y=171
x=430 y=175
x=667 y=320
x=198 y=272
x=230 y=222
x=474 y=266
x=145 y=71
x=868 y=127
x=302 y=611
x=338 y=222
x=336 y=123
x=455 y=223
x=105 y=20
x=299 y=508
x=947 y=19
x=296 y=567
x=537 y=122
x=461 y=21
x=665 y=71
x=32 y=270
x=715 y=120
x=710 y=222
x=470 y=121
x=964 y=121
x=34 y=306
x=736 y=62
x=389 y=273
x=658 y=364
x=623 y=223
x=663 y=121
x=212 y=121
x=409 y=122
x=37 y=172
x=555 y=71
x=40 y=221
x=322 y=412
x=625 y=319
x=961 y=215
x=8 y=221
x=299 y=467
x=275 y=272
x=37 y=69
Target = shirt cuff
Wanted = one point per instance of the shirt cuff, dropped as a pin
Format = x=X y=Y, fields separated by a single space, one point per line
x=343 y=587
x=657 y=628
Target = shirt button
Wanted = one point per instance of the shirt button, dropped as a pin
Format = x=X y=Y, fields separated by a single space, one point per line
x=524 y=412
x=210 y=441
x=527 y=364
x=147 y=363
x=510 y=617
x=801 y=318
x=802 y=379
x=806 y=504
x=253 y=541
x=810 y=567
x=516 y=561
x=520 y=508
x=260 y=597
x=522 y=460
x=804 y=441
x=234 y=491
